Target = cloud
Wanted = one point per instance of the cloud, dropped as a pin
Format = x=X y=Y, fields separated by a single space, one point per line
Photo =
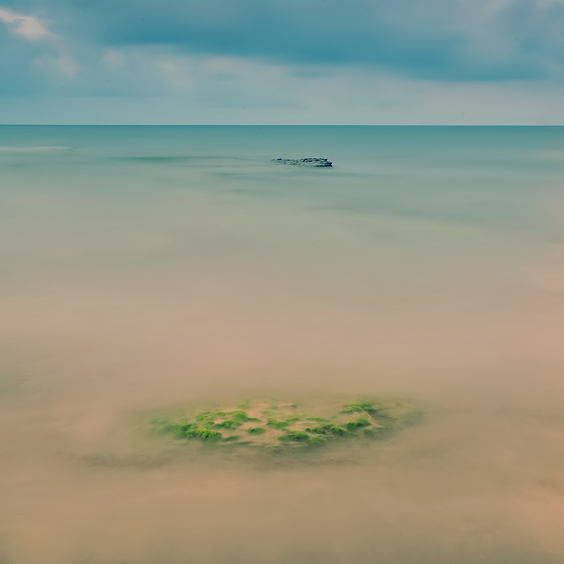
x=49 y=55
x=437 y=39
x=339 y=96
x=333 y=58
x=114 y=58
x=430 y=39
x=26 y=26
x=60 y=64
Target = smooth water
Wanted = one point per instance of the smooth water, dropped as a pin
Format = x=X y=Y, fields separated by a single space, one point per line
x=146 y=267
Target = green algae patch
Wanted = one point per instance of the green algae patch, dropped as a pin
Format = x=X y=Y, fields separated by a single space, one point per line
x=282 y=426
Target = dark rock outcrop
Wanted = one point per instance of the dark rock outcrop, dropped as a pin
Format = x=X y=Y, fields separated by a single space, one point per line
x=305 y=162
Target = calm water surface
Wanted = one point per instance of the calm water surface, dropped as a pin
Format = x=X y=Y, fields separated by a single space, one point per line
x=146 y=267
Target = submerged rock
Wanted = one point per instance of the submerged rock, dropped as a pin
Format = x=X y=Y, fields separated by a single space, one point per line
x=281 y=426
x=305 y=162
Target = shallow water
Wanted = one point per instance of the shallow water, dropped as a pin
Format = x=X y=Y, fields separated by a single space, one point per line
x=146 y=268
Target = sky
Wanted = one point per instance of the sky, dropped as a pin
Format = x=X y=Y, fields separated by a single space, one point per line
x=282 y=62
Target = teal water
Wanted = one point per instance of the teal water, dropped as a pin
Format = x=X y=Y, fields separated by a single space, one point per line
x=143 y=267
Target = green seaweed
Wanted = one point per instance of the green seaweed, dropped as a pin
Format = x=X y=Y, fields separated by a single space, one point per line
x=178 y=430
x=329 y=429
x=361 y=422
x=240 y=415
x=205 y=434
x=293 y=419
x=280 y=424
x=287 y=429
x=210 y=416
x=317 y=440
x=256 y=431
x=191 y=430
x=228 y=424
x=362 y=407
x=296 y=436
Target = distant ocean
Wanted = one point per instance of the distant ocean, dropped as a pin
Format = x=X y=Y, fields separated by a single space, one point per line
x=143 y=267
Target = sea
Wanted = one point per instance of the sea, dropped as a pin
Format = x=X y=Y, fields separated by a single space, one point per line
x=147 y=268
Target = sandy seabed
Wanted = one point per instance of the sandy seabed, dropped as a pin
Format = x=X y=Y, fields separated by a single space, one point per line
x=114 y=309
